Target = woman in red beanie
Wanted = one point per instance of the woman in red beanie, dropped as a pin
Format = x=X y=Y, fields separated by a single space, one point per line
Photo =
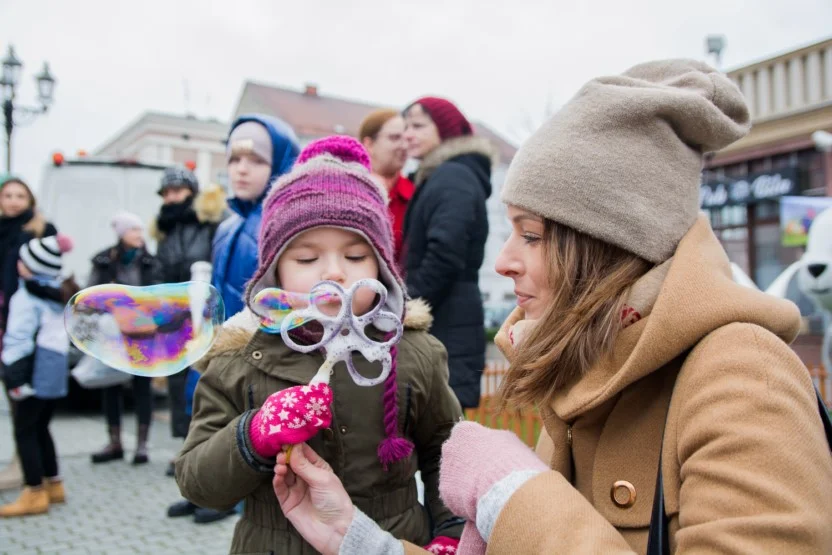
x=445 y=232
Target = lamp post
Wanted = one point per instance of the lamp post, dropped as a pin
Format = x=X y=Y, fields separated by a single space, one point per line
x=714 y=45
x=9 y=80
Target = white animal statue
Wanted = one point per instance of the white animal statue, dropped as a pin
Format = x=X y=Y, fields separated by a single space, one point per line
x=814 y=276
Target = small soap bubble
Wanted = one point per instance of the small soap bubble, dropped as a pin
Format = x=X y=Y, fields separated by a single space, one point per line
x=151 y=331
x=273 y=305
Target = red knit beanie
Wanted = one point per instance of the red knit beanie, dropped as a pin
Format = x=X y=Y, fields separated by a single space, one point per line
x=446 y=116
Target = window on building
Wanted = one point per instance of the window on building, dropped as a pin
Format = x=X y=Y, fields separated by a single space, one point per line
x=730 y=224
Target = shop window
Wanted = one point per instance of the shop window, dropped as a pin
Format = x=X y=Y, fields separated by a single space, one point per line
x=770 y=256
x=767 y=211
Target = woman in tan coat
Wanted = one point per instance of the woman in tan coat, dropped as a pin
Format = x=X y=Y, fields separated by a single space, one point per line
x=642 y=354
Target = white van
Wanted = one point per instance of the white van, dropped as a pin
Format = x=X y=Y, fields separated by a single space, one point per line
x=80 y=197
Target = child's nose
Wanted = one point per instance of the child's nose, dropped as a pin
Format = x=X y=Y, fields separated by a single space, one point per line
x=335 y=273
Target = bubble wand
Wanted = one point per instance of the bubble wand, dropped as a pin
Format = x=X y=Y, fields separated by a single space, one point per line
x=296 y=414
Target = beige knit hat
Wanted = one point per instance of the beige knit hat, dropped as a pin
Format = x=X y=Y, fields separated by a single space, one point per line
x=621 y=161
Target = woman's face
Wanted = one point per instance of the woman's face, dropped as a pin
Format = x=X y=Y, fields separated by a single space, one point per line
x=175 y=194
x=14 y=199
x=523 y=260
x=134 y=238
x=420 y=133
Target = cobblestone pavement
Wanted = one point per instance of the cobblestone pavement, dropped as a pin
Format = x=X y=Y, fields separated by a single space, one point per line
x=113 y=508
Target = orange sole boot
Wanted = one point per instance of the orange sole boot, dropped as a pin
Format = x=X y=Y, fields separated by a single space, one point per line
x=31 y=502
x=55 y=491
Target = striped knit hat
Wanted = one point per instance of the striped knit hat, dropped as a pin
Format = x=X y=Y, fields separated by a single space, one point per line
x=330 y=186
x=43 y=256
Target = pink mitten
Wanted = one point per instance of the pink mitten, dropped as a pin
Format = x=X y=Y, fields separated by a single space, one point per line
x=471 y=543
x=290 y=417
x=475 y=458
x=442 y=544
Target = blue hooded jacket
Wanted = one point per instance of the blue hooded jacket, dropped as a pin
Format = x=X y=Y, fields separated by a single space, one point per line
x=235 y=243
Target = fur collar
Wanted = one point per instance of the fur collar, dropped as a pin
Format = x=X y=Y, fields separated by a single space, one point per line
x=210 y=206
x=37 y=225
x=240 y=328
x=453 y=148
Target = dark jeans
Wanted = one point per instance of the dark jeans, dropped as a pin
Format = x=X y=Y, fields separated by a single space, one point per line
x=180 y=420
x=113 y=402
x=34 y=442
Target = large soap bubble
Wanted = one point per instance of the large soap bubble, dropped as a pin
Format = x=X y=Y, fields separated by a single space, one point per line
x=157 y=330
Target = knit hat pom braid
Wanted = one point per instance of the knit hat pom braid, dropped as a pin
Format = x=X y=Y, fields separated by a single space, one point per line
x=341 y=147
x=65 y=243
x=392 y=448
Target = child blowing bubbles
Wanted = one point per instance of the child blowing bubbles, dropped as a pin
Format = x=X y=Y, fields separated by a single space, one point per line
x=323 y=221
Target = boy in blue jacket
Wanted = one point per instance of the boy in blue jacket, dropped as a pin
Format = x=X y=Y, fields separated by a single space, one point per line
x=260 y=149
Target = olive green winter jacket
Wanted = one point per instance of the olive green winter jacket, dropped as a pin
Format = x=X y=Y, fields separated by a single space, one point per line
x=217 y=468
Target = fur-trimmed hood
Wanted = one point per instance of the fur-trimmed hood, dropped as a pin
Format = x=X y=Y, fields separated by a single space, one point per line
x=210 y=206
x=37 y=225
x=240 y=328
x=453 y=148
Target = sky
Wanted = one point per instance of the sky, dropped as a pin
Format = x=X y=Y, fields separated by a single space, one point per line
x=502 y=62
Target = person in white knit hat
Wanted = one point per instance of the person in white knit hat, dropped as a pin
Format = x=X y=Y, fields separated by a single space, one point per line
x=128 y=263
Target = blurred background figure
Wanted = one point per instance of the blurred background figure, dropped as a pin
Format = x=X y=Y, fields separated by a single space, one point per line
x=260 y=149
x=382 y=134
x=445 y=232
x=36 y=370
x=20 y=222
x=184 y=232
x=127 y=263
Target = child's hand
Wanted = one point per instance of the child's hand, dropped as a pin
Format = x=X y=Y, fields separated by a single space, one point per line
x=313 y=499
x=290 y=417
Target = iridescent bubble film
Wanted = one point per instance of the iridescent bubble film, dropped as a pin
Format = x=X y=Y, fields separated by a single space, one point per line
x=146 y=331
x=273 y=305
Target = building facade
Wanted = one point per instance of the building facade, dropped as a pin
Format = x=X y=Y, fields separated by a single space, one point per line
x=790 y=97
x=167 y=139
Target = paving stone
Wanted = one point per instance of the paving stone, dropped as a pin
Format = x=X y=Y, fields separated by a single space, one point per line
x=111 y=508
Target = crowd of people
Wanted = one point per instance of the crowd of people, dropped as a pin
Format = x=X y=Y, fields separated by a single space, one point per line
x=676 y=417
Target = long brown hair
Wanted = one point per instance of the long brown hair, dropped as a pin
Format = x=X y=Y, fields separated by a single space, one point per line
x=589 y=280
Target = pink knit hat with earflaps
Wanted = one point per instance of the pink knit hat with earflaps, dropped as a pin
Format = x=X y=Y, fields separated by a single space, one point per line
x=330 y=186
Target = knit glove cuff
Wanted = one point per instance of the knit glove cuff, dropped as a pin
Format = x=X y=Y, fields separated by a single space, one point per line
x=366 y=537
x=491 y=504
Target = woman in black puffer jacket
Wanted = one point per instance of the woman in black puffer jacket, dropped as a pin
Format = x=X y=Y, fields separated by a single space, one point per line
x=445 y=230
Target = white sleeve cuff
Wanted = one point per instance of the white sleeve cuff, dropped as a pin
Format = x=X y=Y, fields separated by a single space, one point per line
x=491 y=504
x=365 y=537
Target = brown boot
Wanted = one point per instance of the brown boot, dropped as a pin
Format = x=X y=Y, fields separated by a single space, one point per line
x=11 y=477
x=55 y=490
x=32 y=501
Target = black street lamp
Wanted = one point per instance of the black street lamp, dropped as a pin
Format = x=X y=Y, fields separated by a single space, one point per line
x=12 y=67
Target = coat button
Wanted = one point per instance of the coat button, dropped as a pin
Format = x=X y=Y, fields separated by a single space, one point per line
x=343 y=429
x=329 y=434
x=623 y=494
x=256 y=355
